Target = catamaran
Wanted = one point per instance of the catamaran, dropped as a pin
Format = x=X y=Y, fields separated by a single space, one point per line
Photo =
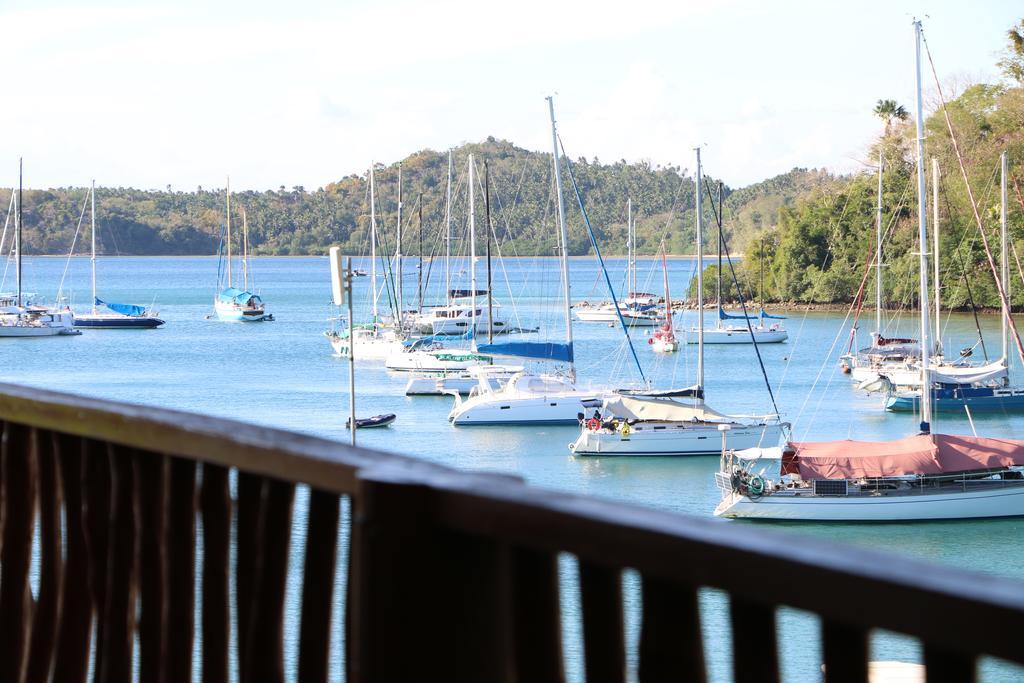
x=922 y=477
x=674 y=422
x=116 y=316
x=231 y=303
x=19 y=318
x=530 y=397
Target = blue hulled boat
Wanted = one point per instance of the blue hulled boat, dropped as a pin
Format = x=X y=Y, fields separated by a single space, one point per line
x=118 y=316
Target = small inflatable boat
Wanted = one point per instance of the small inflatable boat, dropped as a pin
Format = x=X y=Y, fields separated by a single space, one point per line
x=375 y=421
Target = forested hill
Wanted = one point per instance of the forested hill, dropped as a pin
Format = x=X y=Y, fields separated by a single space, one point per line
x=297 y=221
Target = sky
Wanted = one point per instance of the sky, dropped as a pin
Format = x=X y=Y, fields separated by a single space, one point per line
x=150 y=94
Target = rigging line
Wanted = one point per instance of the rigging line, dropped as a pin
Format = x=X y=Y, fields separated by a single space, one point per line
x=1020 y=200
x=74 y=241
x=1003 y=299
x=501 y=261
x=3 y=238
x=963 y=264
x=739 y=293
x=600 y=259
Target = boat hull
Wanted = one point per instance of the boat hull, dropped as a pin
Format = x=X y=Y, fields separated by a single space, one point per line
x=674 y=439
x=425 y=361
x=502 y=410
x=978 y=400
x=366 y=347
x=1000 y=501
x=739 y=336
x=111 y=322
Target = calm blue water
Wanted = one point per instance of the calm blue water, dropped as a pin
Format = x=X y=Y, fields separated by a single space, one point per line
x=283 y=374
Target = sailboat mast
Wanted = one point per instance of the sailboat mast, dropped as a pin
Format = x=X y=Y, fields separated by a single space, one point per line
x=245 y=250
x=472 y=254
x=490 y=298
x=373 y=247
x=718 y=293
x=17 y=233
x=419 y=259
x=878 y=249
x=563 y=232
x=228 y=204
x=398 y=249
x=700 y=276
x=92 y=221
x=1004 y=248
x=629 y=247
x=760 y=287
x=935 y=256
x=448 y=235
x=668 y=299
x=922 y=234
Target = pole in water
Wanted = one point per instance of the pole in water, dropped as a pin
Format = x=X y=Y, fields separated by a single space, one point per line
x=351 y=354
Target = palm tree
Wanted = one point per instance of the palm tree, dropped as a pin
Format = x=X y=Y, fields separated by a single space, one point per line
x=888 y=111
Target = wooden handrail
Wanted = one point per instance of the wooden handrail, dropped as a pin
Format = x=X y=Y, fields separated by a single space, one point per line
x=438 y=558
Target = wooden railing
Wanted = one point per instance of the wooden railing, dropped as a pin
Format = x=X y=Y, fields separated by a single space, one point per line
x=450 y=575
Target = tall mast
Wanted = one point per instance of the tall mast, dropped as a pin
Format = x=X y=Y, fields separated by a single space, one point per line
x=629 y=245
x=1004 y=261
x=922 y=235
x=935 y=256
x=878 y=249
x=373 y=248
x=419 y=259
x=92 y=220
x=761 y=285
x=245 y=250
x=398 y=251
x=668 y=299
x=700 y=277
x=17 y=233
x=563 y=232
x=472 y=254
x=490 y=298
x=448 y=235
x=228 y=204
x=720 y=241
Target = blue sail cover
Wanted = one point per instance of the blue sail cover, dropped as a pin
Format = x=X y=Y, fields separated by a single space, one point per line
x=774 y=317
x=124 y=309
x=534 y=350
x=238 y=296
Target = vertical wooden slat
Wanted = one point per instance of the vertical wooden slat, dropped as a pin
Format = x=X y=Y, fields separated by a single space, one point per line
x=845 y=651
x=119 y=611
x=18 y=475
x=247 y=558
x=318 y=585
x=604 y=641
x=51 y=560
x=943 y=666
x=671 y=648
x=216 y=515
x=536 y=612
x=150 y=476
x=266 y=636
x=754 y=651
x=181 y=552
x=76 y=610
x=99 y=506
x=438 y=598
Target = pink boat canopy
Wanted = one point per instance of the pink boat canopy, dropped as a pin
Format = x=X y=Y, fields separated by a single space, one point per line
x=921 y=454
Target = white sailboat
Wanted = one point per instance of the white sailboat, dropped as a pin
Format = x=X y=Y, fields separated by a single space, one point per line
x=673 y=423
x=728 y=328
x=232 y=304
x=527 y=397
x=374 y=341
x=927 y=476
x=21 y=319
x=637 y=309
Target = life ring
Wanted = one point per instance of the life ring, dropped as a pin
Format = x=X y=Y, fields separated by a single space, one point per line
x=625 y=430
x=756 y=486
x=650 y=340
x=593 y=424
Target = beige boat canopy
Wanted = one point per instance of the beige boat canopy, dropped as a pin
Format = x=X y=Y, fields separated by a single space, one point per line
x=661 y=409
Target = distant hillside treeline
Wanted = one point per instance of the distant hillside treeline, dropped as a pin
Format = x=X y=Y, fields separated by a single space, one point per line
x=295 y=221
